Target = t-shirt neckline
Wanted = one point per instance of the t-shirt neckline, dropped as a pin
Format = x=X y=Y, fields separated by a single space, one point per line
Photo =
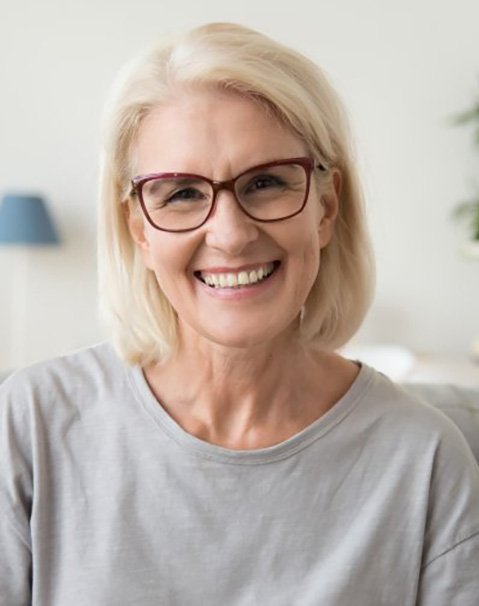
x=196 y=446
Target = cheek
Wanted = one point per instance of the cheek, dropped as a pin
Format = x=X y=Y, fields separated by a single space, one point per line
x=306 y=267
x=310 y=238
x=169 y=257
x=311 y=258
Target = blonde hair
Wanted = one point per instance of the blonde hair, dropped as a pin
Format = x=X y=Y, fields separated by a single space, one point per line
x=232 y=57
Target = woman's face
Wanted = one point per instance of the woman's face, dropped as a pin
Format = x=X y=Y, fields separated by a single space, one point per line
x=219 y=135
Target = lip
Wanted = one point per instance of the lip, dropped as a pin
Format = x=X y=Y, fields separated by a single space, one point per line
x=245 y=292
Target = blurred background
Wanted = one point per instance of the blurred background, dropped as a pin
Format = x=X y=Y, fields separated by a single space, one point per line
x=404 y=69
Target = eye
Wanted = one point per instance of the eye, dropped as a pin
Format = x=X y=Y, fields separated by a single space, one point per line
x=262 y=184
x=187 y=194
x=175 y=191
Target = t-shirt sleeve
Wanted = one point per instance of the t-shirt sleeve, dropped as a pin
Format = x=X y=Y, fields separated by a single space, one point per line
x=452 y=579
x=450 y=570
x=15 y=499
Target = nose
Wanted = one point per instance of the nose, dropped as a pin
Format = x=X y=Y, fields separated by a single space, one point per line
x=229 y=229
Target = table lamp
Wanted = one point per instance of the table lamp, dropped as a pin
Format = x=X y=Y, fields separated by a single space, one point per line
x=24 y=223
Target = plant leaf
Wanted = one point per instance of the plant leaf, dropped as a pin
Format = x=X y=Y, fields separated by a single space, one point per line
x=467 y=116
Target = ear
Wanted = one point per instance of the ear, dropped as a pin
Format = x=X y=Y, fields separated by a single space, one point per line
x=329 y=208
x=136 y=226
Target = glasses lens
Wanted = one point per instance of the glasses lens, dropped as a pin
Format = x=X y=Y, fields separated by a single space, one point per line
x=274 y=192
x=177 y=203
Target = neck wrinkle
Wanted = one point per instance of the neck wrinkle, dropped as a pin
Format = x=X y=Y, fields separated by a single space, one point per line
x=230 y=396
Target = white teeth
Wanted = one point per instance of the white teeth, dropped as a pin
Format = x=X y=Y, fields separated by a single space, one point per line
x=253 y=277
x=232 y=281
x=243 y=278
x=235 y=280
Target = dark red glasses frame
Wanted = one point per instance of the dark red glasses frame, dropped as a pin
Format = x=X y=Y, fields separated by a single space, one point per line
x=138 y=182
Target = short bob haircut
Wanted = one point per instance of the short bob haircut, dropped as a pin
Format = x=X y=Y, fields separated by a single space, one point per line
x=231 y=57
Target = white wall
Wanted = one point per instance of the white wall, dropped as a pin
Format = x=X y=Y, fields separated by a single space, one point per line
x=403 y=68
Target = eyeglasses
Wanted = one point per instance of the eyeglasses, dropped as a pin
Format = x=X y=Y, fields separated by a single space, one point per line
x=180 y=202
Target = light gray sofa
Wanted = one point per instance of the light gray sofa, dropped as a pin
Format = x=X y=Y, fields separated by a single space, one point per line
x=3 y=375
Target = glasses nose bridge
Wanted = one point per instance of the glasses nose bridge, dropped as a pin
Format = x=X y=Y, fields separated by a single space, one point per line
x=228 y=185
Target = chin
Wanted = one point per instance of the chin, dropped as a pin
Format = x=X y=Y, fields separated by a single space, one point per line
x=249 y=335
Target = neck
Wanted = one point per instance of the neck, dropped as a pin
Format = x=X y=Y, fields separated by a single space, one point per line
x=246 y=397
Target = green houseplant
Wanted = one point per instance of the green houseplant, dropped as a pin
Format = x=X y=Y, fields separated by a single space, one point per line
x=468 y=210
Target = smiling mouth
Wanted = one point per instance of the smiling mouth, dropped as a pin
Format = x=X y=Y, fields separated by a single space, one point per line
x=239 y=279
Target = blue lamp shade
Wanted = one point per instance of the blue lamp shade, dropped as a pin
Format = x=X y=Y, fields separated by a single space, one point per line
x=25 y=220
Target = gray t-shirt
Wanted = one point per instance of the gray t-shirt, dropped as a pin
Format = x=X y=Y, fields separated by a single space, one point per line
x=106 y=501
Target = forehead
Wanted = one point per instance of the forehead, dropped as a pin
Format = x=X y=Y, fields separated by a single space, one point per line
x=212 y=132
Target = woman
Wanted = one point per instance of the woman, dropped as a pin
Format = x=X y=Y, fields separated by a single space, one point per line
x=221 y=453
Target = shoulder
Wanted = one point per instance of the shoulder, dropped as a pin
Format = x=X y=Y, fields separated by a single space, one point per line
x=67 y=380
x=459 y=403
x=422 y=445
x=389 y=403
x=87 y=363
x=406 y=424
x=66 y=402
